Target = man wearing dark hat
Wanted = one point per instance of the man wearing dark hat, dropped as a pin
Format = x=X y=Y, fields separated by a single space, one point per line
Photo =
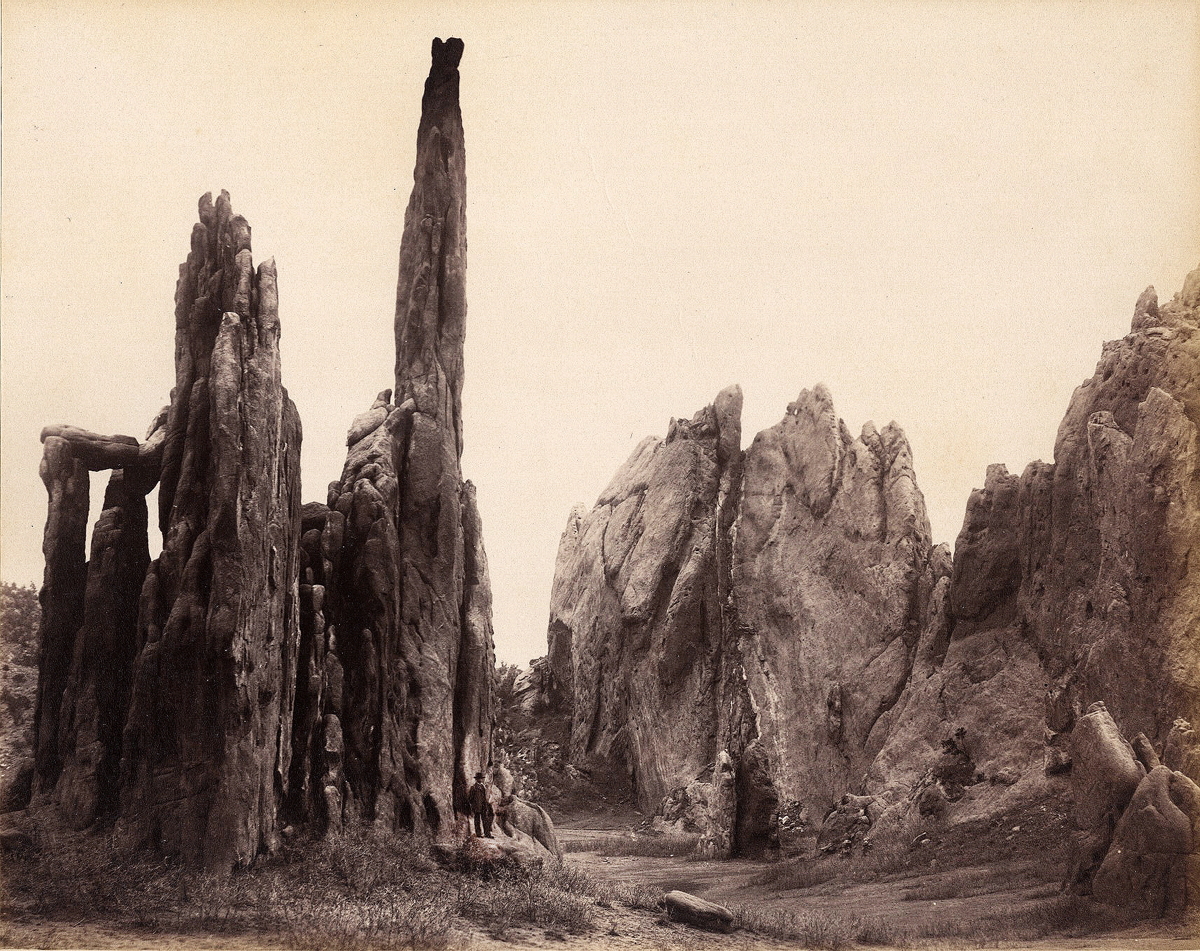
x=477 y=798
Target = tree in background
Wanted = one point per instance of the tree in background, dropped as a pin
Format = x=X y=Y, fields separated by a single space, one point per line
x=20 y=615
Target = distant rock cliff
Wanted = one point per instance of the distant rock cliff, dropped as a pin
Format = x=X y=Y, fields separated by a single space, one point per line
x=842 y=649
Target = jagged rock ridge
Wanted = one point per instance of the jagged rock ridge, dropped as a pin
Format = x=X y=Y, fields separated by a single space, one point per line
x=1072 y=583
x=870 y=663
x=764 y=604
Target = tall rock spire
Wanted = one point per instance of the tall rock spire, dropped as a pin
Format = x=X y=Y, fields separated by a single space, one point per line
x=396 y=602
x=163 y=684
x=203 y=755
x=431 y=302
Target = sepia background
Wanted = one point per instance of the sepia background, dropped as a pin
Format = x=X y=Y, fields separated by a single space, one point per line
x=940 y=210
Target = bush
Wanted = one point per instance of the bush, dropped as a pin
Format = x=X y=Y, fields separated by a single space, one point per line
x=20 y=617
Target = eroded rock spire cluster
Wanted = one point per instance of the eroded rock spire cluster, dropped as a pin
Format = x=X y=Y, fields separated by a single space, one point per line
x=275 y=664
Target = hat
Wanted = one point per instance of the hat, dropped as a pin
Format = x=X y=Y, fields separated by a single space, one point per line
x=479 y=775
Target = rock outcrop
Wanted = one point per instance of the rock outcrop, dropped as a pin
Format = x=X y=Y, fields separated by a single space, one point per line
x=1136 y=842
x=832 y=575
x=1072 y=583
x=1153 y=863
x=396 y=653
x=764 y=606
x=637 y=637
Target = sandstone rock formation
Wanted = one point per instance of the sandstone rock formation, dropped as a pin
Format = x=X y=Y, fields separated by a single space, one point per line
x=637 y=639
x=164 y=684
x=857 y=657
x=1072 y=583
x=1153 y=863
x=1136 y=844
x=396 y=652
x=89 y=619
x=330 y=663
x=204 y=757
x=832 y=575
x=764 y=605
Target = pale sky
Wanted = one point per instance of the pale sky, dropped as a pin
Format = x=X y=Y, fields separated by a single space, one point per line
x=940 y=210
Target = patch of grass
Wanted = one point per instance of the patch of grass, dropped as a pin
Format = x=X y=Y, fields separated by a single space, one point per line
x=515 y=899
x=1069 y=916
x=1058 y=916
x=630 y=894
x=808 y=930
x=960 y=883
x=869 y=867
x=352 y=891
x=656 y=846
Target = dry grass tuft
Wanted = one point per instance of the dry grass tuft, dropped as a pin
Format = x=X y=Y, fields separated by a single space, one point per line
x=657 y=846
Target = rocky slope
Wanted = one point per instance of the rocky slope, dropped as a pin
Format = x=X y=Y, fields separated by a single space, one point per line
x=1073 y=583
x=765 y=604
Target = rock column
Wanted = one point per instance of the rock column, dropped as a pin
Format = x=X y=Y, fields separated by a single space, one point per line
x=204 y=756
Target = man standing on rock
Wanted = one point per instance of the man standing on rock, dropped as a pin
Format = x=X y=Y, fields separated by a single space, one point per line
x=477 y=797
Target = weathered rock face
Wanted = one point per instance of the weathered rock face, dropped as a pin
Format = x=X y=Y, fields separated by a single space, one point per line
x=865 y=659
x=163 y=685
x=97 y=692
x=831 y=578
x=89 y=619
x=204 y=757
x=1137 y=821
x=62 y=596
x=767 y=603
x=636 y=624
x=396 y=653
x=1153 y=864
x=1108 y=588
x=1105 y=772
